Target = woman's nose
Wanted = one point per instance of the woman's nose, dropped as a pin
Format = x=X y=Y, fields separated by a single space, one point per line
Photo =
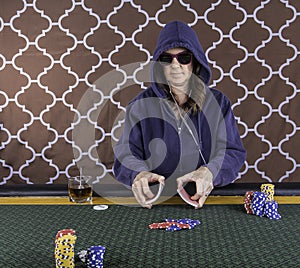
x=175 y=62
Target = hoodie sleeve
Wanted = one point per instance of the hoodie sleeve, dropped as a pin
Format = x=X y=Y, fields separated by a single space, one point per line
x=228 y=155
x=128 y=153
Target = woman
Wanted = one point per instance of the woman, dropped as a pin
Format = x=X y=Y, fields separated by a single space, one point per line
x=179 y=129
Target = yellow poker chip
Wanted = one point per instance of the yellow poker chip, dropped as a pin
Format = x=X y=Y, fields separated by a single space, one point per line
x=268 y=189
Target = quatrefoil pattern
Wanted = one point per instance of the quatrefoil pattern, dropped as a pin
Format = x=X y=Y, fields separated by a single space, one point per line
x=68 y=69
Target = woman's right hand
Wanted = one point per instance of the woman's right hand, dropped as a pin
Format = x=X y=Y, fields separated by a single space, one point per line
x=141 y=189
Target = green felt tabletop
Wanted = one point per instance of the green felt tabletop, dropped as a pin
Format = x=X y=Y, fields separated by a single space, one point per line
x=227 y=236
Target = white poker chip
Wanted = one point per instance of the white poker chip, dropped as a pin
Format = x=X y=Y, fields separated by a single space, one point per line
x=100 y=207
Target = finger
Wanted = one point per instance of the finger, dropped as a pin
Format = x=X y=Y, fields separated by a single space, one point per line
x=145 y=188
x=182 y=180
x=157 y=178
x=179 y=183
x=196 y=196
x=199 y=190
x=202 y=189
x=202 y=200
x=140 y=199
x=137 y=191
x=161 y=179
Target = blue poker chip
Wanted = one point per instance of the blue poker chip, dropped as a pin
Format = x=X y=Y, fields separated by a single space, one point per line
x=258 y=203
x=95 y=256
x=195 y=222
x=186 y=221
x=97 y=248
x=262 y=207
x=174 y=224
x=271 y=212
x=173 y=228
x=170 y=220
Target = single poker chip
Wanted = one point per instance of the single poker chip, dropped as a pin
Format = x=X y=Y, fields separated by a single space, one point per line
x=193 y=224
x=161 y=225
x=100 y=207
x=173 y=228
x=63 y=232
x=196 y=222
x=164 y=225
x=185 y=221
x=82 y=255
x=154 y=225
x=184 y=225
x=188 y=221
x=170 y=220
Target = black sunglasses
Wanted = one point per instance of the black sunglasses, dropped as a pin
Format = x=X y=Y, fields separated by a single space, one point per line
x=182 y=57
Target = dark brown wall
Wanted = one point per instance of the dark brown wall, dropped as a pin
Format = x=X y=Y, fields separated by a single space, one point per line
x=65 y=80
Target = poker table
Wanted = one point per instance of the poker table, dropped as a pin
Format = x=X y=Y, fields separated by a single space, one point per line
x=226 y=237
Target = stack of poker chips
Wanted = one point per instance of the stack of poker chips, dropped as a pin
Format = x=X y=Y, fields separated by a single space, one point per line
x=268 y=189
x=95 y=256
x=174 y=224
x=262 y=203
x=248 y=201
x=64 y=248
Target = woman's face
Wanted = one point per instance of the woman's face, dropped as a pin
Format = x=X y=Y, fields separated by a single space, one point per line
x=178 y=74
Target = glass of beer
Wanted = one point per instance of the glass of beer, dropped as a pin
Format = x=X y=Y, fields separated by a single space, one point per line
x=80 y=189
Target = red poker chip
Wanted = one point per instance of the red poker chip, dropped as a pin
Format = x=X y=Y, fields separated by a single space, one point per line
x=154 y=225
x=183 y=225
x=174 y=225
x=161 y=225
x=248 y=201
x=63 y=232
x=164 y=225
x=248 y=209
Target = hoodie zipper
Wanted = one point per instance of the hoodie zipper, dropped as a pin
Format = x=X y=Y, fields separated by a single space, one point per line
x=180 y=122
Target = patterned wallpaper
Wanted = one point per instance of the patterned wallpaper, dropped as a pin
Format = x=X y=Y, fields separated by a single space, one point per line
x=68 y=68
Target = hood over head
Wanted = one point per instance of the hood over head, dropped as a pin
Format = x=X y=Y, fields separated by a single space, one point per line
x=178 y=34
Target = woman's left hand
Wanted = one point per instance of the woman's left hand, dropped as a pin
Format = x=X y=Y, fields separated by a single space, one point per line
x=204 y=183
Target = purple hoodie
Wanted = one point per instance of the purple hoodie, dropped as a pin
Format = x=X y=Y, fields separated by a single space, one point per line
x=153 y=140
